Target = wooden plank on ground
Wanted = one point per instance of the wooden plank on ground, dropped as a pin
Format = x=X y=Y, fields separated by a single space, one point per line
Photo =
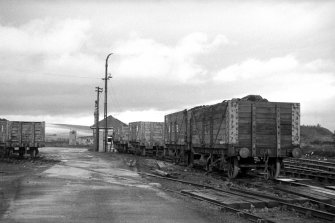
x=297 y=199
x=267 y=202
x=257 y=203
x=301 y=191
x=224 y=199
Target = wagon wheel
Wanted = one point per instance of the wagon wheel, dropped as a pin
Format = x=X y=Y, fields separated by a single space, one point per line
x=273 y=170
x=233 y=168
x=208 y=166
x=33 y=153
x=21 y=153
x=10 y=152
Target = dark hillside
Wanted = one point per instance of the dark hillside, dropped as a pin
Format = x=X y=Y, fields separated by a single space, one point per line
x=316 y=134
x=317 y=142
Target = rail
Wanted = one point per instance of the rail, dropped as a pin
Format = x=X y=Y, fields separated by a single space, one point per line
x=307 y=211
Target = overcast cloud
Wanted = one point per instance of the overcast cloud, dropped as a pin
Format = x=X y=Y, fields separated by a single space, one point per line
x=168 y=56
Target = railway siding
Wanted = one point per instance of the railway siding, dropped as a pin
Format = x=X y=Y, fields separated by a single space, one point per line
x=315 y=169
x=262 y=201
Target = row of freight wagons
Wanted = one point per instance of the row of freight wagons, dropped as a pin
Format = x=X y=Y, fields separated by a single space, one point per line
x=21 y=137
x=234 y=135
x=145 y=138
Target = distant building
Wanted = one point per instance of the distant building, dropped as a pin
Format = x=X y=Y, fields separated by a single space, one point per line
x=73 y=138
x=113 y=124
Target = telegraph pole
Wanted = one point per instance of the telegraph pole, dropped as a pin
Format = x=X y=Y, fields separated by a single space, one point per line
x=105 y=104
x=98 y=90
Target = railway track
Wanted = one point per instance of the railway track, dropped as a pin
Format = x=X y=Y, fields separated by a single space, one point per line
x=325 y=211
x=319 y=162
x=315 y=164
x=314 y=169
x=240 y=213
x=328 y=215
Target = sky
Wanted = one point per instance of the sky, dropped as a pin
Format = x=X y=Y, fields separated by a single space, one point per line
x=167 y=56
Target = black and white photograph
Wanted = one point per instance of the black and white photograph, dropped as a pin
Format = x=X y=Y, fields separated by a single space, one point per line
x=167 y=111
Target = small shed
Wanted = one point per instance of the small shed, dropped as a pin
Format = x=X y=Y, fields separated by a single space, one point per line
x=73 y=138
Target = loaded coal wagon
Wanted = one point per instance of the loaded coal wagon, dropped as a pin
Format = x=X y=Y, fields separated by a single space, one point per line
x=121 y=138
x=22 y=137
x=3 y=135
x=236 y=135
x=176 y=137
x=146 y=138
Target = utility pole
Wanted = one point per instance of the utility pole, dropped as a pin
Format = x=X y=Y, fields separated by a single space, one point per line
x=105 y=104
x=98 y=90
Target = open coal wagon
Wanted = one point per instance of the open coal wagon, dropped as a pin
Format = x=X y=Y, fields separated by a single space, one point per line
x=121 y=138
x=21 y=137
x=236 y=135
x=146 y=138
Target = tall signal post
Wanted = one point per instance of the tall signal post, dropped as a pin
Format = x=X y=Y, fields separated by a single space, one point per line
x=105 y=104
x=98 y=90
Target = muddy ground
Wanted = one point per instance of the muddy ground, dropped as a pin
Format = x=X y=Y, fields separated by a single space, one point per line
x=13 y=171
x=214 y=179
x=16 y=174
